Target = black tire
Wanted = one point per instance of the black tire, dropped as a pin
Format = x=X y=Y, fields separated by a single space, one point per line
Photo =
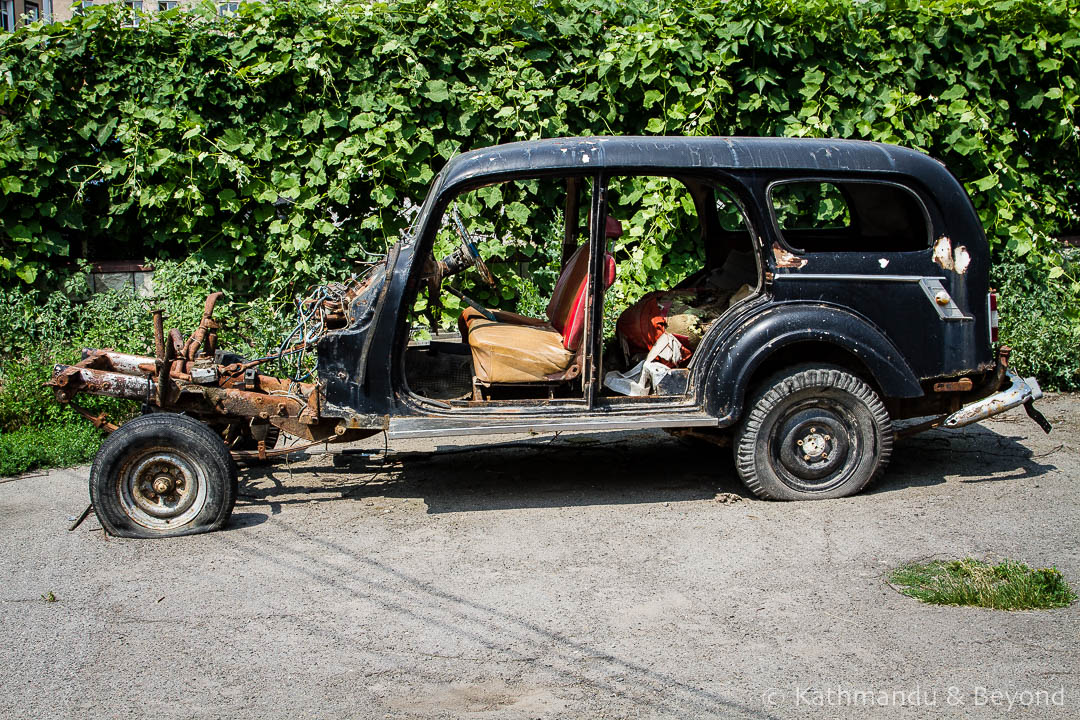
x=163 y=475
x=812 y=433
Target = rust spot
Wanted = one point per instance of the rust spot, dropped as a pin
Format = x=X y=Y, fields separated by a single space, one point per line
x=961 y=385
x=961 y=260
x=785 y=259
x=943 y=254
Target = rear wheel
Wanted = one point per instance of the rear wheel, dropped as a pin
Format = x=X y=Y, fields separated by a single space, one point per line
x=162 y=475
x=812 y=432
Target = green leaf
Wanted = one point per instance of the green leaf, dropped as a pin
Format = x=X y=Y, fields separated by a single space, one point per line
x=517 y=212
x=955 y=92
x=437 y=90
x=103 y=134
x=27 y=272
x=310 y=123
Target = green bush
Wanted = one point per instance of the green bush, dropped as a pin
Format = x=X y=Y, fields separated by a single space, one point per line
x=58 y=445
x=1038 y=320
x=180 y=135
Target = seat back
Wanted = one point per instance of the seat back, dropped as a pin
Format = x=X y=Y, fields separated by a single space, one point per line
x=570 y=288
x=574 y=328
x=567 y=287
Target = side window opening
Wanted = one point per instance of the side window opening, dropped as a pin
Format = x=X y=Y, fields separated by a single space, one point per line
x=810 y=206
x=687 y=258
x=818 y=216
x=518 y=337
x=678 y=255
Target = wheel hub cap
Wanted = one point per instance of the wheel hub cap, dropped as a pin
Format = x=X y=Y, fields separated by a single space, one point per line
x=812 y=447
x=161 y=487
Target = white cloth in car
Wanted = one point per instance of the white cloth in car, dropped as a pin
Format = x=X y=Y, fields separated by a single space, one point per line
x=645 y=377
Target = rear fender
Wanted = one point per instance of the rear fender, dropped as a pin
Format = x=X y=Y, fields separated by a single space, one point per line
x=737 y=356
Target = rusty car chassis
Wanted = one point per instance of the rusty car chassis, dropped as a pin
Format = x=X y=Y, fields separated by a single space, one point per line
x=802 y=375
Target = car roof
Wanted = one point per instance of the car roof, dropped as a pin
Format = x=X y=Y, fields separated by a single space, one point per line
x=665 y=153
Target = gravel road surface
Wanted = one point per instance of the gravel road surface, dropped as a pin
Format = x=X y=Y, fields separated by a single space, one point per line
x=583 y=576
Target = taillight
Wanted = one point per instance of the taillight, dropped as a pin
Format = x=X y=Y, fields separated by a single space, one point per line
x=992 y=312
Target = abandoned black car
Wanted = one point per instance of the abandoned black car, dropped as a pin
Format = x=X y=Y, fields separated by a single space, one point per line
x=790 y=298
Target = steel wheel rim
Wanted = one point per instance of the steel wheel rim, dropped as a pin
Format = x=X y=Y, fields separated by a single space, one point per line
x=162 y=488
x=815 y=446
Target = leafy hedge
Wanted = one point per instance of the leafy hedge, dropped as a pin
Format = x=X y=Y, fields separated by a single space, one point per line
x=178 y=136
x=52 y=446
x=182 y=137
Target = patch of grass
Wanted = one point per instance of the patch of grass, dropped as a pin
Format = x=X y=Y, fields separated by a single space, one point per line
x=1009 y=585
x=47 y=447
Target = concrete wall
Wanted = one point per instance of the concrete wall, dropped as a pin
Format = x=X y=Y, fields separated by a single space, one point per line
x=119 y=275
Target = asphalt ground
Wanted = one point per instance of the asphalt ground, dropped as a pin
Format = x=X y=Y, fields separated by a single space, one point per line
x=589 y=576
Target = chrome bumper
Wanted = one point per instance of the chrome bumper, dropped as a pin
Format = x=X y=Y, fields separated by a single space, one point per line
x=1020 y=391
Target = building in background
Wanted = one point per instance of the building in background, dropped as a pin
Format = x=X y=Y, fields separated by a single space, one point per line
x=14 y=13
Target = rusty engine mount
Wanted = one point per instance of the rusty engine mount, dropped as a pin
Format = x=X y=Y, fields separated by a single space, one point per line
x=194 y=378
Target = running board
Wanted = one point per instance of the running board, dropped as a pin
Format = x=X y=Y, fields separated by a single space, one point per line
x=416 y=427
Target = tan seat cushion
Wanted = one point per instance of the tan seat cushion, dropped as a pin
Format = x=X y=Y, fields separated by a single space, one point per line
x=508 y=352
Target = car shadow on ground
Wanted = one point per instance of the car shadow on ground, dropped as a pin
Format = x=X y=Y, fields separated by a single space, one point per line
x=974 y=454
x=559 y=472
x=603 y=469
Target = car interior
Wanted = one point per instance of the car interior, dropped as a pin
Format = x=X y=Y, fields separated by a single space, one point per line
x=504 y=317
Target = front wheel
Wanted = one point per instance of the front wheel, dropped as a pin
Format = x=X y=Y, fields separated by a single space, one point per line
x=162 y=475
x=812 y=433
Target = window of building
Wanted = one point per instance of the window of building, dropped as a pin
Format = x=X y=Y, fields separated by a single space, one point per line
x=7 y=14
x=228 y=8
x=135 y=7
x=31 y=11
x=80 y=7
x=166 y=5
x=849 y=216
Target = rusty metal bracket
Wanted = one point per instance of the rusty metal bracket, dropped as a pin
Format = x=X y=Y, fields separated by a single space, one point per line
x=191 y=349
x=82 y=518
x=1038 y=417
x=264 y=454
x=961 y=385
x=99 y=421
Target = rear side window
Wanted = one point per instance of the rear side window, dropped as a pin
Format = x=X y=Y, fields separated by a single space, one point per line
x=818 y=216
x=810 y=206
